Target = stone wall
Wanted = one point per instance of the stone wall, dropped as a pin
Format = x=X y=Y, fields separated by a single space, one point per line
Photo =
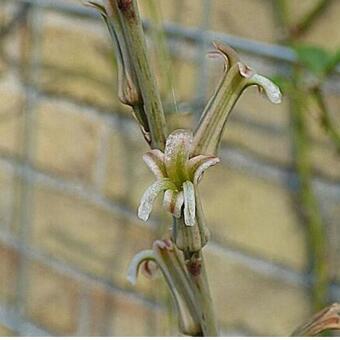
x=71 y=176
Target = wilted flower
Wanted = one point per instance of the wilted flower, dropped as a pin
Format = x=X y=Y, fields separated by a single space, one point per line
x=327 y=319
x=177 y=175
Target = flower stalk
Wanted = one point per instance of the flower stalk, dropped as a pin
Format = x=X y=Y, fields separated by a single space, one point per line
x=178 y=162
x=129 y=92
x=136 y=81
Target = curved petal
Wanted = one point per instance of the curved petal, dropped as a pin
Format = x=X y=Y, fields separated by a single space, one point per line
x=173 y=202
x=189 y=204
x=176 y=154
x=198 y=164
x=150 y=195
x=138 y=259
x=272 y=91
x=154 y=159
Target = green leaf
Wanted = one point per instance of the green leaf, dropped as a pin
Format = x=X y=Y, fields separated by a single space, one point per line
x=315 y=59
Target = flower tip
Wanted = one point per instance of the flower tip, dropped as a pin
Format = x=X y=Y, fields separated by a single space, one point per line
x=138 y=259
x=277 y=97
x=132 y=272
x=132 y=278
x=143 y=213
x=274 y=94
x=272 y=91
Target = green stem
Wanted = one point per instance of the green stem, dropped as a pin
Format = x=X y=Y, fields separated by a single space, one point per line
x=197 y=273
x=301 y=27
x=310 y=207
x=191 y=244
x=316 y=232
x=133 y=32
x=326 y=120
x=18 y=18
x=163 y=53
x=281 y=14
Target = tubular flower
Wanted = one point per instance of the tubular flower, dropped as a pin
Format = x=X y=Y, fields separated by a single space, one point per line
x=164 y=257
x=176 y=176
x=237 y=76
x=129 y=92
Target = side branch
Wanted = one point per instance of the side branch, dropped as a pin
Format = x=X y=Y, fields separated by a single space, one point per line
x=134 y=35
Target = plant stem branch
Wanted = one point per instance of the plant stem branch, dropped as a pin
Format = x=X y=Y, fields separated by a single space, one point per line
x=196 y=268
x=281 y=15
x=163 y=53
x=306 y=196
x=316 y=233
x=15 y=21
x=326 y=120
x=133 y=31
x=305 y=23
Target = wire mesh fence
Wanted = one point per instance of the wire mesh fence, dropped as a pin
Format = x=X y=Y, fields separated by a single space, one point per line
x=47 y=288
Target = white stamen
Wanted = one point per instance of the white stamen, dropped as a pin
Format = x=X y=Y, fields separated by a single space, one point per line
x=189 y=204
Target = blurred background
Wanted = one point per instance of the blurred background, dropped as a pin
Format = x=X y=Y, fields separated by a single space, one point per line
x=71 y=170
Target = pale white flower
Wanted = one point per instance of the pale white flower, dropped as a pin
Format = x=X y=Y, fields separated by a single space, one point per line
x=176 y=175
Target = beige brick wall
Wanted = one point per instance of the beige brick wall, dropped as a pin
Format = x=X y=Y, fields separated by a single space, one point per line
x=259 y=303
x=70 y=232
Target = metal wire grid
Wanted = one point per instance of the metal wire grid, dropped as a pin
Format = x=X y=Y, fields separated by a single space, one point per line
x=14 y=317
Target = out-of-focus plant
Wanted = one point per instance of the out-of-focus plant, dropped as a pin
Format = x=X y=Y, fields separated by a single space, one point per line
x=178 y=160
x=321 y=64
x=304 y=87
x=162 y=54
x=18 y=17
